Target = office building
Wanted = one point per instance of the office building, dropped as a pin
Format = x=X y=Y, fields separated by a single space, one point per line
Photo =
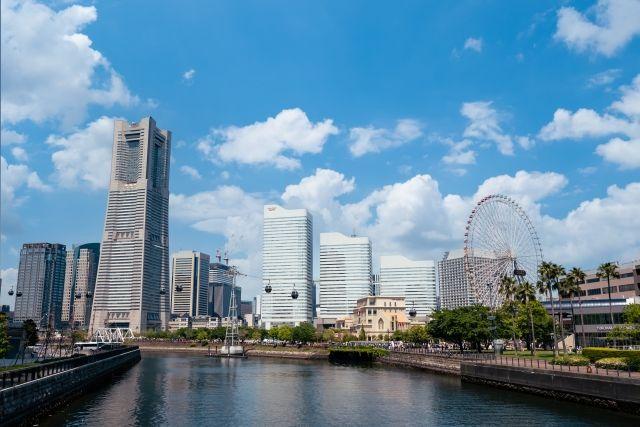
x=287 y=265
x=345 y=273
x=40 y=284
x=454 y=288
x=413 y=280
x=626 y=286
x=189 y=283
x=79 y=284
x=220 y=285
x=246 y=307
x=132 y=288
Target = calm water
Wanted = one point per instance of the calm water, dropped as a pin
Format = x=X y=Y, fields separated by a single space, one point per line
x=185 y=390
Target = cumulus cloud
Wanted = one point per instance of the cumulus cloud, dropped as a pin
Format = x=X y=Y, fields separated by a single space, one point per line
x=615 y=23
x=20 y=154
x=188 y=75
x=604 y=78
x=49 y=68
x=459 y=153
x=473 y=44
x=485 y=125
x=623 y=120
x=278 y=141
x=191 y=172
x=83 y=158
x=318 y=192
x=374 y=140
x=10 y=137
x=14 y=178
x=625 y=153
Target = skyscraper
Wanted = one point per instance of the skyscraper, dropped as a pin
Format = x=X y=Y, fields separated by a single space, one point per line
x=455 y=290
x=189 y=283
x=220 y=281
x=79 y=284
x=287 y=265
x=413 y=280
x=132 y=288
x=41 y=284
x=345 y=273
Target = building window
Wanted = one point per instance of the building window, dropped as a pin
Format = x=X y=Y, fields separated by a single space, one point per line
x=593 y=280
x=596 y=291
x=625 y=288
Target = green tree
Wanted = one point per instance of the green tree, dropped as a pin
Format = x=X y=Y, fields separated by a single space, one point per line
x=417 y=334
x=550 y=274
x=508 y=290
x=4 y=335
x=631 y=314
x=285 y=333
x=526 y=293
x=305 y=332
x=462 y=324
x=608 y=270
x=362 y=336
x=631 y=329
x=328 y=335
x=31 y=331
x=535 y=313
x=273 y=332
x=578 y=277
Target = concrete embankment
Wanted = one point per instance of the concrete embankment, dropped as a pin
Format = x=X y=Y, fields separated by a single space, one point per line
x=44 y=391
x=618 y=393
x=432 y=362
x=279 y=352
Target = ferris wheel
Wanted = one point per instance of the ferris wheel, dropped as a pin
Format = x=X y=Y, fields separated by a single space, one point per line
x=499 y=240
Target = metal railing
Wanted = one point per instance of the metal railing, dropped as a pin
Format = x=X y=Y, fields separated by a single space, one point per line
x=19 y=376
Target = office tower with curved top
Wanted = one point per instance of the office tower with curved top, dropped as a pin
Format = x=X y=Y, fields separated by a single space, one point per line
x=132 y=287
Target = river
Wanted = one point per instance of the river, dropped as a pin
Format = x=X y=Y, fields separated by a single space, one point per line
x=187 y=390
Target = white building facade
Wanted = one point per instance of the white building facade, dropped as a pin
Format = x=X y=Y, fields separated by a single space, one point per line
x=345 y=273
x=189 y=283
x=413 y=280
x=132 y=287
x=287 y=265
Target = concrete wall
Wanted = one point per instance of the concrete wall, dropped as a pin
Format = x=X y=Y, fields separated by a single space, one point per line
x=430 y=362
x=24 y=402
x=610 y=392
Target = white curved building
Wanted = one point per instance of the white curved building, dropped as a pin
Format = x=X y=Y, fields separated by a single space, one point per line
x=345 y=273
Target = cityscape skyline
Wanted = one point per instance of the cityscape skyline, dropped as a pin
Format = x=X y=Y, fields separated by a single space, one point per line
x=399 y=159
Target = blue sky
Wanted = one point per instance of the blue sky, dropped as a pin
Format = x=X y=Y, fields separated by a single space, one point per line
x=387 y=118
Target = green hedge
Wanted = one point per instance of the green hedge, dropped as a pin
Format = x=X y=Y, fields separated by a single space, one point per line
x=356 y=354
x=612 y=363
x=571 y=360
x=597 y=353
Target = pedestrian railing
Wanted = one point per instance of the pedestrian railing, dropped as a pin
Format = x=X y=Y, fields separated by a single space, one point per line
x=14 y=377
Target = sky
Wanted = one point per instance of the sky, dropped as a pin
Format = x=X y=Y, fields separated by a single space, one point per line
x=387 y=119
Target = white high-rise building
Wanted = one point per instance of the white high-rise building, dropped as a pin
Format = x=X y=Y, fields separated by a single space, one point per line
x=345 y=273
x=413 y=280
x=287 y=264
x=132 y=287
x=189 y=283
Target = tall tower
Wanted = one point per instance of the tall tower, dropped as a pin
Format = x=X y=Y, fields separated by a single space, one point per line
x=79 y=284
x=413 y=280
x=287 y=265
x=132 y=288
x=345 y=273
x=189 y=283
x=41 y=284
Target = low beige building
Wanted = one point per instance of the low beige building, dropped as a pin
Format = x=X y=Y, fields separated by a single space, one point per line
x=378 y=316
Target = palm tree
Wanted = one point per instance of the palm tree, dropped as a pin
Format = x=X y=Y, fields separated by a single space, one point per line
x=579 y=276
x=508 y=290
x=608 y=270
x=549 y=274
x=567 y=288
x=526 y=293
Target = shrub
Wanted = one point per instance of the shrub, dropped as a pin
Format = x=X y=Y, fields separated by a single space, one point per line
x=571 y=360
x=612 y=363
x=597 y=353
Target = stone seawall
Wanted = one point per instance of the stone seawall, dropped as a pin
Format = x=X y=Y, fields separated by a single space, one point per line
x=26 y=402
x=283 y=353
x=434 y=363
x=622 y=394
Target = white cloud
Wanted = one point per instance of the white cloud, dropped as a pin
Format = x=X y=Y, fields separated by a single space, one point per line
x=616 y=23
x=585 y=123
x=318 y=192
x=587 y=170
x=629 y=103
x=625 y=153
x=9 y=137
x=604 y=78
x=525 y=142
x=485 y=124
x=188 y=75
x=191 y=172
x=459 y=153
x=374 y=140
x=14 y=178
x=20 y=154
x=49 y=69
x=473 y=44
x=84 y=157
x=290 y=132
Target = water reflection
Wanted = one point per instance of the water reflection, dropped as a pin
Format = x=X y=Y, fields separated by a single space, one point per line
x=187 y=390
